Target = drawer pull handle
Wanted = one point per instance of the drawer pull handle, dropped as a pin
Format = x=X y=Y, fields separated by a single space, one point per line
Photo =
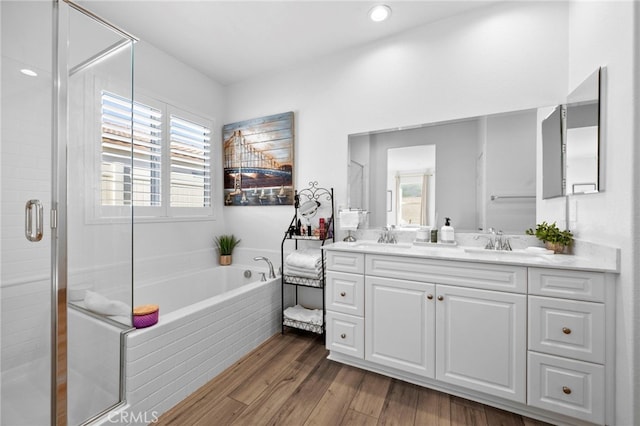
x=566 y=330
x=429 y=296
x=440 y=297
x=344 y=336
x=343 y=294
x=566 y=390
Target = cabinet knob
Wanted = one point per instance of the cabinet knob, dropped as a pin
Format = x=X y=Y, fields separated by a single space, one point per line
x=344 y=336
x=429 y=296
x=343 y=294
x=566 y=390
x=566 y=330
x=440 y=297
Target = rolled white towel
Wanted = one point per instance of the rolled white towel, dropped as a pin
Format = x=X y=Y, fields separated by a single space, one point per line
x=302 y=314
x=101 y=305
x=307 y=259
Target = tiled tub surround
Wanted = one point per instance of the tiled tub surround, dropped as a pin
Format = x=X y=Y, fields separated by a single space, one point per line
x=532 y=335
x=208 y=320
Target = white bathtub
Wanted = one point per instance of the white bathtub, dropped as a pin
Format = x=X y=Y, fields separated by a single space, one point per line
x=208 y=320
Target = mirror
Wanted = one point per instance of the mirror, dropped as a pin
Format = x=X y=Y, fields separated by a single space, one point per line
x=582 y=138
x=479 y=171
x=571 y=143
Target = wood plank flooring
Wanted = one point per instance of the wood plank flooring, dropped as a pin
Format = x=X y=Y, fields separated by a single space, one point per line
x=289 y=381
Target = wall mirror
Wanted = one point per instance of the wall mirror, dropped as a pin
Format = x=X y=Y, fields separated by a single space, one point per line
x=582 y=138
x=571 y=143
x=479 y=171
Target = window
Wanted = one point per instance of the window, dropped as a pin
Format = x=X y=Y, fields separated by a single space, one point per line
x=156 y=158
x=117 y=155
x=190 y=164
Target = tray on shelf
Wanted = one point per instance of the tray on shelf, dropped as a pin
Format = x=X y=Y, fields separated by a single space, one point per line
x=309 y=282
x=315 y=328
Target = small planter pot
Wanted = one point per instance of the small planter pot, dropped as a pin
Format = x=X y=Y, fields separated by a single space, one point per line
x=225 y=259
x=556 y=247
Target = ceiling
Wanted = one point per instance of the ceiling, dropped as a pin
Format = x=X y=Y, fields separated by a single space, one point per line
x=231 y=41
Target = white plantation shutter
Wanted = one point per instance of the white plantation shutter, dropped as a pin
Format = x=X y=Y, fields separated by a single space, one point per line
x=118 y=158
x=190 y=164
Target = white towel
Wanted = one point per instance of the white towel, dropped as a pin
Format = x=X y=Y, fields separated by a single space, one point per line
x=303 y=272
x=101 y=305
x=305 y=259
x=349 y=219
x=302 y=314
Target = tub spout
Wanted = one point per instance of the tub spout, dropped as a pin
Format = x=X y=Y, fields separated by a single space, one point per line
x=272 y=274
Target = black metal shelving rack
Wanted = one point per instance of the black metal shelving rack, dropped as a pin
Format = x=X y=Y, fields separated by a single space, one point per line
x=314 y=194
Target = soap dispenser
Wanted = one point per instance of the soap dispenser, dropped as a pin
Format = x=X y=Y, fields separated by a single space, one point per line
x=447 y=234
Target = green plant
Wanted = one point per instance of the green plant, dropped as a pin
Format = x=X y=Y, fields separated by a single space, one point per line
x=552 y=234
x=226 y=243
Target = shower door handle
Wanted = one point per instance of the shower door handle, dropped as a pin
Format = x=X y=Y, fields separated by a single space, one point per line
x=31 y=209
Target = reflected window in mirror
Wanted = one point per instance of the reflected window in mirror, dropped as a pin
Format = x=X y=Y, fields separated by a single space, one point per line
x=410 y=179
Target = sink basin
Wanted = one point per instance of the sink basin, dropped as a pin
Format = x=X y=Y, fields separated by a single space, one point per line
x=528 y=252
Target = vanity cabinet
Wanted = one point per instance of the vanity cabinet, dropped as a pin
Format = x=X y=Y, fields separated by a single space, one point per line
x=567 y=343
x=400 y=324
x=538 y=340
x=481 y=340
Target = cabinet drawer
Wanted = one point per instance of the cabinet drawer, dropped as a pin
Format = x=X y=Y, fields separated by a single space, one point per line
x=345 y=334
x=567 y=328
x=345 y=262
x=468 y=274
x=570 y=387
x=345 y=293
x=568 y=284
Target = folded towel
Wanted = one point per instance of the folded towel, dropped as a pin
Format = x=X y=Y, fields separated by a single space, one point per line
x=101 y=305
x=349 y=219
x=307 y=259
x=302 y=314
x=301 y=272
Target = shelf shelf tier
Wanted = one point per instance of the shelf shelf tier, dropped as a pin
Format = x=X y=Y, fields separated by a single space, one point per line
x=315 y=328
x=303 y=281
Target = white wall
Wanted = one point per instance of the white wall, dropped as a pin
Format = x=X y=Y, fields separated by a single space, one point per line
x=502 y=58
x=602 y=33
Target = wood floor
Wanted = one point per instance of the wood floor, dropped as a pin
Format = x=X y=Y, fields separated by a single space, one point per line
x=289 y=381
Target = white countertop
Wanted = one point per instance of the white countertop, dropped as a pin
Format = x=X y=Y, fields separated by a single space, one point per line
x=606 y=260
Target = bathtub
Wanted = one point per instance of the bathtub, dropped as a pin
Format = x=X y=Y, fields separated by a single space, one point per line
x=208 y=320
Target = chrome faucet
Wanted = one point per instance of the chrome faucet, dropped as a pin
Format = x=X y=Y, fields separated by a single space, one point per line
x=272 y=274
x=496 y=240
x=387 y=237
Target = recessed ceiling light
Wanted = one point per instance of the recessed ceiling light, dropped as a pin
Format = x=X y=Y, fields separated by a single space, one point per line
x=380 y=13
x=30 y=73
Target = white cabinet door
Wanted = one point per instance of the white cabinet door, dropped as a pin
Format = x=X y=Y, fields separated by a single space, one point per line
x=399 y=325
x=481 y=340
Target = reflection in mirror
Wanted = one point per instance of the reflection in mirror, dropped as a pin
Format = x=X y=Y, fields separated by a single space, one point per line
x=486 y=173
x=582 y=137
x=411 y=177
x=552 y=164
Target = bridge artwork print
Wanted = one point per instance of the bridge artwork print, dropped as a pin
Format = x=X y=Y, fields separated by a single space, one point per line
x=258 y=161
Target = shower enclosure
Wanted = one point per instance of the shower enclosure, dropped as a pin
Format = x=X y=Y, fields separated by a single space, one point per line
x=66 y=212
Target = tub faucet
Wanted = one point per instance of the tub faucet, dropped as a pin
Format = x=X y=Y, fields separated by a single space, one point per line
x=272 y=274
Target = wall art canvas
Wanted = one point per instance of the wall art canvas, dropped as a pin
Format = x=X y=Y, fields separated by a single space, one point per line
x=258 y=161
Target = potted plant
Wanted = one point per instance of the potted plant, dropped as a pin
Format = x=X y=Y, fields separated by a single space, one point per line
x=553 y=238
x=225 y=245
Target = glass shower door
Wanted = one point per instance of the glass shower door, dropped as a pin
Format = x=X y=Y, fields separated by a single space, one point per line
x=99 y=216
x=61 y=364
x=26 y=168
